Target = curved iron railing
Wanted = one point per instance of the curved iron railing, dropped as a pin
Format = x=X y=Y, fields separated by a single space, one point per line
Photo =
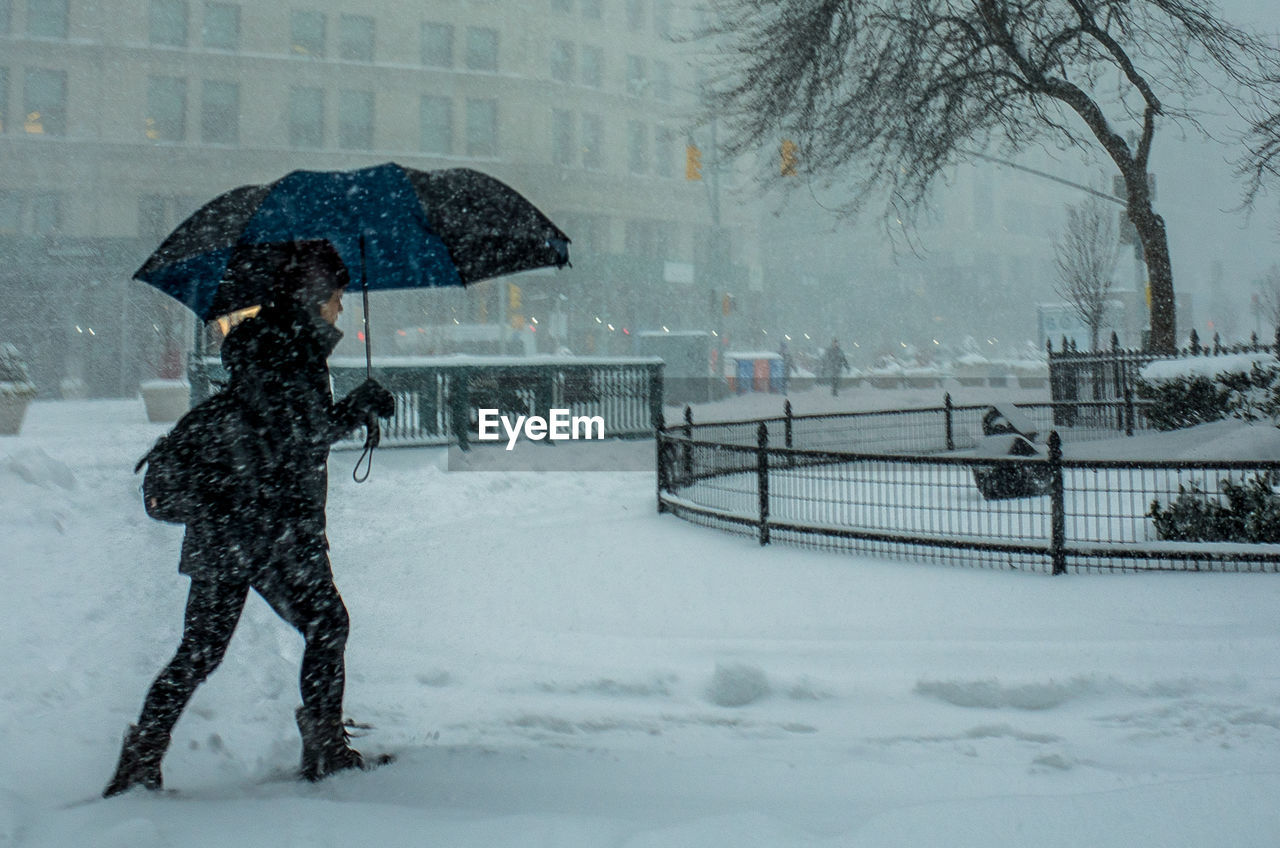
x=906 y=483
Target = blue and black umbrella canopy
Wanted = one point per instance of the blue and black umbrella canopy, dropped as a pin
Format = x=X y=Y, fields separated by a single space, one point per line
x=394 y=227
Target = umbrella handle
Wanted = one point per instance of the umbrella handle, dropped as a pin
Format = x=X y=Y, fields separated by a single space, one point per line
x=373 y=437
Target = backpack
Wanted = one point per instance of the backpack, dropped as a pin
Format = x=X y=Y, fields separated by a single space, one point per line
x=196 y=460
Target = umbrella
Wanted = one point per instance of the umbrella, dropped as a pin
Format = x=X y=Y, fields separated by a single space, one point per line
x=419 y=229
x=394 y=227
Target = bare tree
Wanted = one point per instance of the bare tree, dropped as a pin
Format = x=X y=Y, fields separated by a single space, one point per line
x=902 y=89
x=1269 y=296
x=1085 y=255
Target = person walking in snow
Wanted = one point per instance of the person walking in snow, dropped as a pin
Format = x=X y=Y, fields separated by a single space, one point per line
x=834 y=364
x=262 y=526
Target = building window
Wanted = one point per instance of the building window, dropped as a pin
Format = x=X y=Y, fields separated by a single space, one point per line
x=166 y=108
x=158 y=214
x=221 y=26
x=355 y=120
x=355 y=38
x=437 y=45
x=662 y=81
x=664 y=153
x=31 y=214
x=593 y=9
x=562 y=61
x=306 y=30
x=168 y=23
x=592 y=66
x=46 y=213
x=437 y=125
x=306 y=117
x=6 y=17
x=10 y=212
x=44 y=101
x=47 y=18
x=635 y=15
x=662 y=18
x=637 y=147
x=592 y=142
x=637 y=76
x=562 y=143
x=482 y=128
x=641 y=238
x=219 y=112
x=482 y=49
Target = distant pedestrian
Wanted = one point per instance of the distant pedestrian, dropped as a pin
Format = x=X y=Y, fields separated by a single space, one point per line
x=788 y=365
x=834 y=364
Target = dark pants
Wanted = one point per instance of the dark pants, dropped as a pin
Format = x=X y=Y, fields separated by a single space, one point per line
x=299 y=587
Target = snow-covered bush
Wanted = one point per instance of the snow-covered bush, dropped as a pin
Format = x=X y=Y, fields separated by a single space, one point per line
x=14 y=376
x=1250 y=513
x=16 y=389
x=1187 y=392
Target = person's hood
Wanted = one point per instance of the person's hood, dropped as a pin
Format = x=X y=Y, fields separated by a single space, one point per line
x=279 y=338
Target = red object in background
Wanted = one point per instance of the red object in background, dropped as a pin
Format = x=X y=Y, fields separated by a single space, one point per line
x=760 y=375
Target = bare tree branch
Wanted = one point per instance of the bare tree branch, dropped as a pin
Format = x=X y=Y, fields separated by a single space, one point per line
x=889 y=94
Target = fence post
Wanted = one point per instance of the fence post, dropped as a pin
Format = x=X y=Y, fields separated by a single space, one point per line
x=1128 y=410
x=460 y=406
x=656 y=390
x=686 y=458
x=663 y=453
x=786 y=413
x=946 y=404
x=762 y=479
x=1117 y=376
x=1058 y=506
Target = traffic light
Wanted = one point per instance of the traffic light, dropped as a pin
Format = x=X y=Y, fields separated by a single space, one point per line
x=692 y=162
x=788 y=158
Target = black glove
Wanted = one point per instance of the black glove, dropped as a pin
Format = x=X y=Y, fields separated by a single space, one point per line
x=370 y=396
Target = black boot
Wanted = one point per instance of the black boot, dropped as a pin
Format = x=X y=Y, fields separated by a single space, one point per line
x=139 y=762
x=325 y=747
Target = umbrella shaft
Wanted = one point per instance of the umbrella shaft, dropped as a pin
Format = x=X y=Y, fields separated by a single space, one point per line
x=368 y=340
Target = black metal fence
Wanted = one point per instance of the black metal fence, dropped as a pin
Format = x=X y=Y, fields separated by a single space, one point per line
x=1110 y=375
x=816 y=482
x=437 y=399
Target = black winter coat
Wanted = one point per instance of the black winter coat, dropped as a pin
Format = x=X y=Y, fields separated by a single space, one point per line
x=279 y=375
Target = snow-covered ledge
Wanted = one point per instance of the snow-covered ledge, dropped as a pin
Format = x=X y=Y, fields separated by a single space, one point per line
x=166 y=400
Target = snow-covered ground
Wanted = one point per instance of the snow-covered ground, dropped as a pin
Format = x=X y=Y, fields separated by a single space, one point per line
x=558 y=665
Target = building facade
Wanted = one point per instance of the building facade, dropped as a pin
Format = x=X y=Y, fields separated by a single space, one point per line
x=118 y=120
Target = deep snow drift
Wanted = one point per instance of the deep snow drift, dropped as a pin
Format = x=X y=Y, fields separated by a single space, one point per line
x=558 y=665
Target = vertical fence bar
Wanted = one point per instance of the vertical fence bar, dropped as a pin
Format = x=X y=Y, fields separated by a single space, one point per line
x=656 y=391
x=661 y=454
x=946 y=403
x=762 y=479
x=1128 y=410
x=1058 y=506
x=686 y=463
x=786 y=413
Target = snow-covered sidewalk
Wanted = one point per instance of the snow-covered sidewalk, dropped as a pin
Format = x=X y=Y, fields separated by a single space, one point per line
x=558 y=665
